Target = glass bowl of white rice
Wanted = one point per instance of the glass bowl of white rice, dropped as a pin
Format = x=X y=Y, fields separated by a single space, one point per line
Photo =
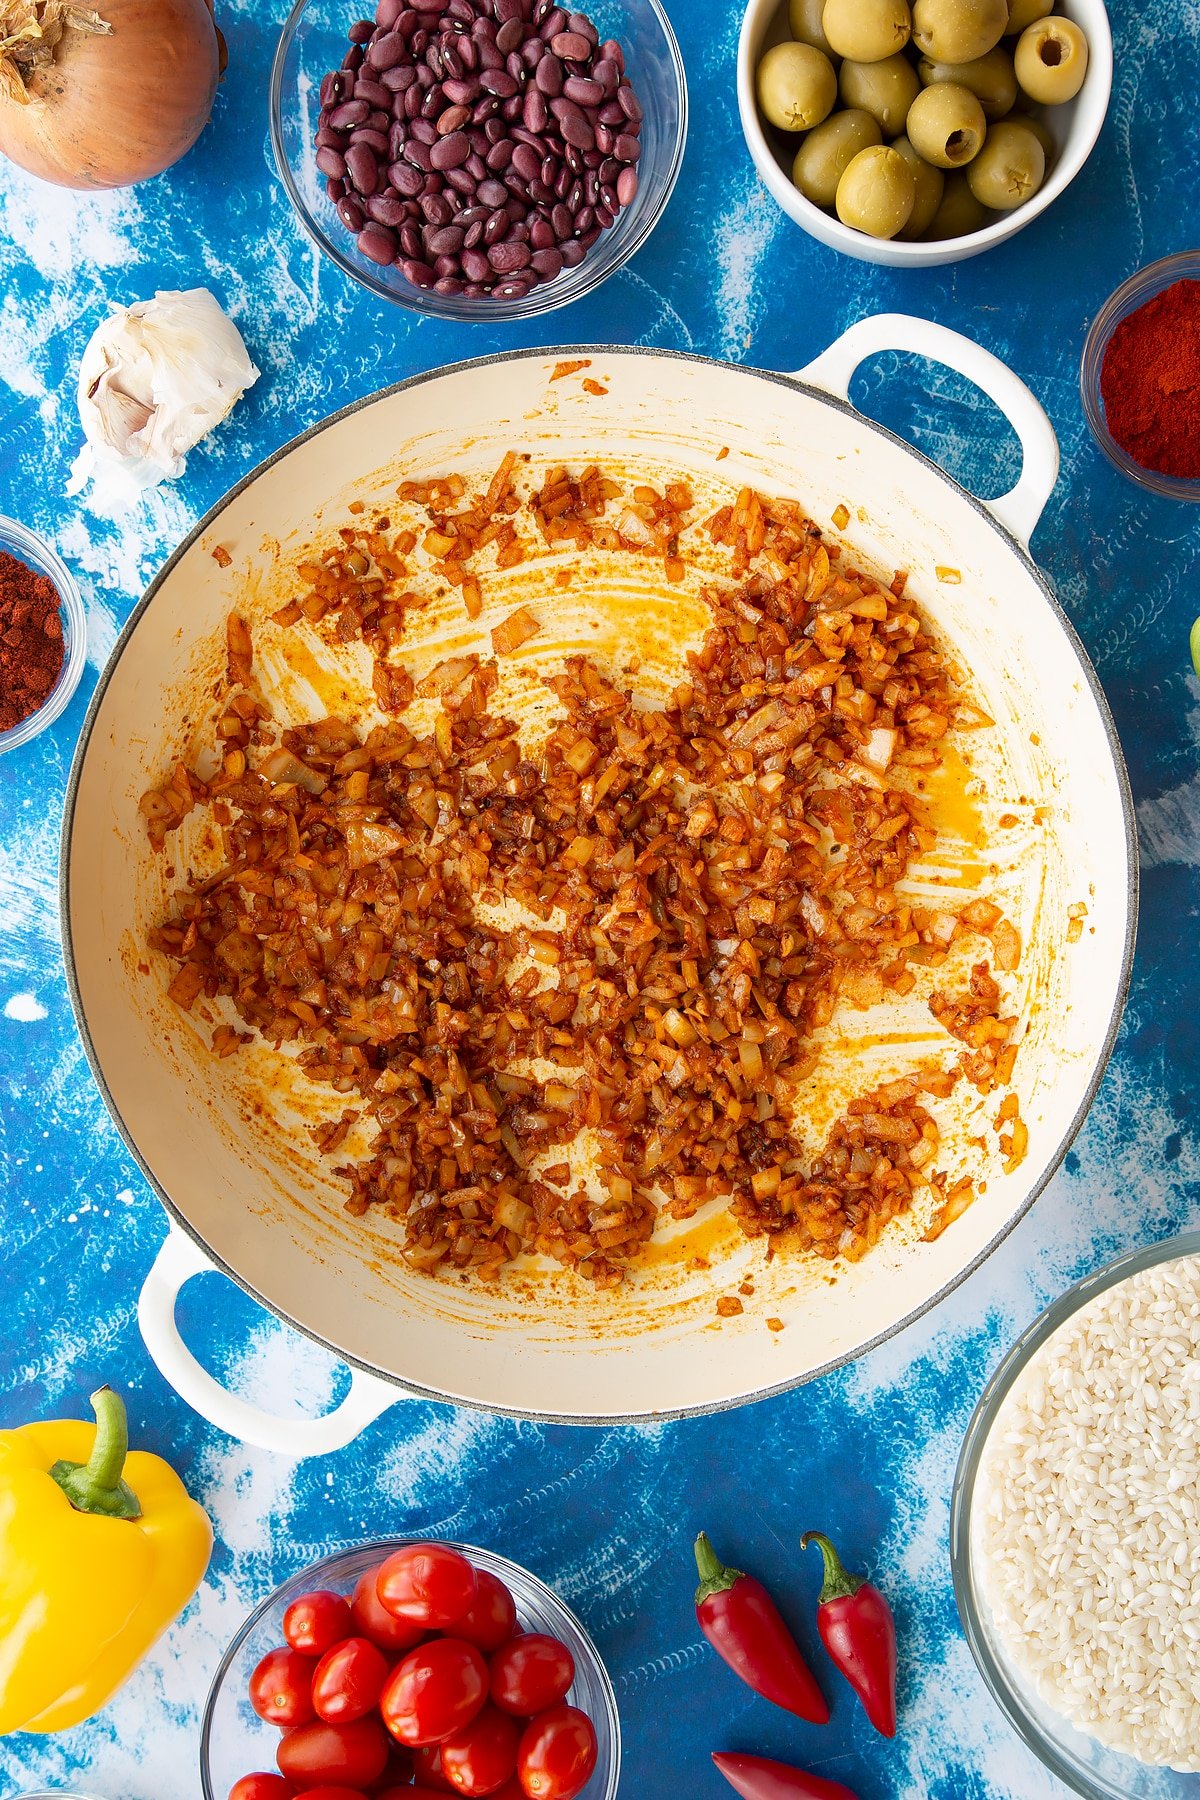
x=1075 y=1530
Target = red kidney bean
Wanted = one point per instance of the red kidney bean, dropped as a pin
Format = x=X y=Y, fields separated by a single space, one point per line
x=499 y=82
x=377 y=141
x=468 y=54
x=475 y=167
x=510 y=9
x=534 y=112
x=629 y=103
x=461 y=181
x=349 y=114
x=583 y=91
x=445 y=240
x=627 y=185
x=473 y=235
x=328 y=138
x=448 y=285
x=516 y=68
x=377 y=243
x=591 y=187
x=387 y=51
x=418 y=154
x=484 y=111
x=611 y=114
x=526 y=162
x=406 y=21
x=410 y=238
x=333 y=87
x=475 y=265
x=331 y=162
x=606 y=75
x=361 y=30
x=386 y=14
x=563 y=221
x=489 y=56
x=492 y=193
x=446 y=267
x=419 y=273
x=543 y=195
x=532 y=52
x=588 y=238
x=512 y=289
x=351 y=214
x=453 y=119
x=549 y=76
x=436 y=209
x=570 y=46
x=541 y=235
x=548 y=172
x=362 y=165
x=397 y=80
x=451 y=63
x=572 y=253
x=552 y=24
x=627 y=149
x=387 y=209
x=353 y=59
x=506 y=258
x=412 y=102
x=374 y=92
x=579 y=22
x=606 y=137
x=511 y=109
x=548 y=262
x=451 y=152
x=406 y=179
x=510 y=36
x=423 y=131
x=583 y=218
x=499 y=155
x=497 y=224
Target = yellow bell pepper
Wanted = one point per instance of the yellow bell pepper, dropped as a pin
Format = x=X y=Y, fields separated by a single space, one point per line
x=100 y=1548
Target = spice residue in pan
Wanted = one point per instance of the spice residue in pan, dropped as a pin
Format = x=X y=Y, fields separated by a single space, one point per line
x=563 y=969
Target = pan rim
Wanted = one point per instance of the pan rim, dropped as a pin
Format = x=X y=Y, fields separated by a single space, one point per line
x=792 y=383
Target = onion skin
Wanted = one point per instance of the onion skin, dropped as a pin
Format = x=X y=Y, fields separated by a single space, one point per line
x=112 y=111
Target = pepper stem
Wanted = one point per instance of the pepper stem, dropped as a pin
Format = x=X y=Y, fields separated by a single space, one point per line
x=96 y=1485
x=839 y=1583
x=715 y=1577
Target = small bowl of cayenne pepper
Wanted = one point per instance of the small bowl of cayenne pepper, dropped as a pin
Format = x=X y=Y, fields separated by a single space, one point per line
x=1140 y=377
x=43 y=632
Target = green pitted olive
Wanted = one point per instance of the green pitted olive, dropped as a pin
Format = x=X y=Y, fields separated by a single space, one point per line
x=804 y=22
x=931 y=184
x=960 y=213
x=884 y=89
x=877 y=192
x=991 y=79
x=946 y=125
x=958 y=31
x=796 y=86
x=1026 y=12
x=1041 y=132
x=1051 y=60
x=823 y=157
x=1009 y=169
x=867 y=30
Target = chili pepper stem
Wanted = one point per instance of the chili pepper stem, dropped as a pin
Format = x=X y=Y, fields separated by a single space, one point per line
x=715 y=1577
x=839 y=1583
x=96 y=1485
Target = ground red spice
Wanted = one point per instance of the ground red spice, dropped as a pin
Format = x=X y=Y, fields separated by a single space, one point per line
x=1150 y=382
x=31 y=640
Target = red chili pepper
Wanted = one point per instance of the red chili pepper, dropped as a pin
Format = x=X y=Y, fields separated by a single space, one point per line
x=859 y=1632
x=757 y=1779
x=742 y=1623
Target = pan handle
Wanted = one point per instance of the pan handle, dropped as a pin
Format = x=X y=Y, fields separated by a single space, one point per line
x=1020 y=509
x=176 y=1263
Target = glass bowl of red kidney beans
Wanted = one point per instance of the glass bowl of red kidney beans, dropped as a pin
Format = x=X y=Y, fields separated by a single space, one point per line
x=479 y=159
x=315 y=1684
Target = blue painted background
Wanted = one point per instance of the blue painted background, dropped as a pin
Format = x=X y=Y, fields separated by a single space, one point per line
x=607 y=1516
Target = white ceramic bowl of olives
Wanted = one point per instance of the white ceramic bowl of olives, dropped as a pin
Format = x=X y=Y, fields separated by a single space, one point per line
x=917 y=132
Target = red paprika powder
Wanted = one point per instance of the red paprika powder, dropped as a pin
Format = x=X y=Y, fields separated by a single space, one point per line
x=31 y=640
x=1150 y=382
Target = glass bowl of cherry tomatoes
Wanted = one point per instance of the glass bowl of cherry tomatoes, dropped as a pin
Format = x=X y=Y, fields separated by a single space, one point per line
x=406 y=1667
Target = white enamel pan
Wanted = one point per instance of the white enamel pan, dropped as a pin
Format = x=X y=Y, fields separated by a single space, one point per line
x=1044 y=825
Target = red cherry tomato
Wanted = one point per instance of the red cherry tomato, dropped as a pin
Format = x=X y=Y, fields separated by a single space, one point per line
x=530 y=1674
x=334 y=1793
x=316 y=1622
x=428 y=1584
x=483 y=1755
x=427 y=1769
x=356 y=1753
x=373 y=1620
x=557 y=1754
x=281 y=1688
x=435 y=1691
x=348 y=1681
x=262 y=1787
x=491 y=1618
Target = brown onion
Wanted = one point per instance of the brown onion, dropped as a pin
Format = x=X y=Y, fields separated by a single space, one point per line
x=103 y=101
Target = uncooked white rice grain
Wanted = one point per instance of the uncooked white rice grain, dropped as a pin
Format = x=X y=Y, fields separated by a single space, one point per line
x=1085 y=1533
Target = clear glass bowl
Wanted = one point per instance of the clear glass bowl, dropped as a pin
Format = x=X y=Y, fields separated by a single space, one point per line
x=36 y=554
x=234 y=1740
x=1183 y=266
x=1084 y=1764
x=314 y=41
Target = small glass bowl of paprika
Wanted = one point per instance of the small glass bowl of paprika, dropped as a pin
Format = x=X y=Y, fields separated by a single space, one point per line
x=235 y=1740
x=22 y=600
x=1140 y=377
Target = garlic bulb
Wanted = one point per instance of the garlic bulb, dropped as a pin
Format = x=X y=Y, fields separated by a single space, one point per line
x=155 y=378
